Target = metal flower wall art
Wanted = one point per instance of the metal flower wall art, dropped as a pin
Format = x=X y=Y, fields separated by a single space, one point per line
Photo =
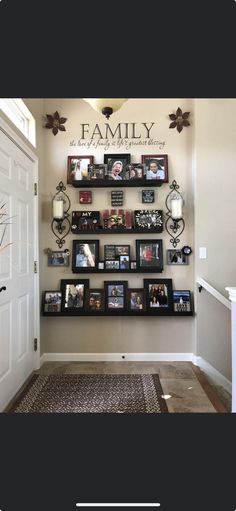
x=55 y=122
x=179 y=120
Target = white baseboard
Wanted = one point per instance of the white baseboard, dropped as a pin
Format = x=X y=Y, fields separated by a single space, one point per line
x=213 y=373
x=116 y=357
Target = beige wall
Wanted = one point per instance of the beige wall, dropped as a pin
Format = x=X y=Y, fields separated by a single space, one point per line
x=215 y=227
x=122 y=334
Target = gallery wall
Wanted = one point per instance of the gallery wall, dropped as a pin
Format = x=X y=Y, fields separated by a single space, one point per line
x=117 y=334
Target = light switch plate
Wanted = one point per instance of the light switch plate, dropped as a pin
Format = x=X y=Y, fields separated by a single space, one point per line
x=202 y=253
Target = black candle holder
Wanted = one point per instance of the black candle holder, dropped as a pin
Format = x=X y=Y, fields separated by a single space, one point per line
x=62 y=225
x=172 y=225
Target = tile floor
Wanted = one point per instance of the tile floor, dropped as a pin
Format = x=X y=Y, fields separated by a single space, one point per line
x=182 y=389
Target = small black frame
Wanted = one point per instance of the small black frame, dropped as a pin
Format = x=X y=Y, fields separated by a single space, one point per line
x=85 y=255
x=149 y=254
x=116 y=295
x=95 y=300
x=136 y=299
x=74 y=295
x=159 y=295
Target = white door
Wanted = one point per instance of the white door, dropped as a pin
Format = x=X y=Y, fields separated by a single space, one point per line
x=18 y=316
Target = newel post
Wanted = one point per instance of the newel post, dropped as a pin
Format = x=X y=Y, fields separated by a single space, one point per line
x=232 y=297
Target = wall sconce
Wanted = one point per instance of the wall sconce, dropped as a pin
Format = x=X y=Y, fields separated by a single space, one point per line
x=60 y=206
x=106 y=106
x=175 y=223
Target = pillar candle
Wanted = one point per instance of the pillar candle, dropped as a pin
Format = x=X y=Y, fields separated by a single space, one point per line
x=176 y=208
x=58 y=208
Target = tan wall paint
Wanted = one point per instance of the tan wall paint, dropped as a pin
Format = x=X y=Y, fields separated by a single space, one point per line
x=118 y=334
x=215 y=227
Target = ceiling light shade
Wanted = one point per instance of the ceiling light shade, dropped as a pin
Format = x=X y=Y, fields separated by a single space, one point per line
x=106 y=106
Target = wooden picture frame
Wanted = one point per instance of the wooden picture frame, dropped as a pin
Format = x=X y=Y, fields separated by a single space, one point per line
x=116 y=294
x=77 y=168
x=176 y=257
x=159 y=295
x=149 y=255
x=85 y=255
x=73 y=295
x=156 y=166
x=58 y=258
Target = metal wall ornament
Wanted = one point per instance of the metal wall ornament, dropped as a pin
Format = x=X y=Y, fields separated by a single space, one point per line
x=179 y=120
x=174 y=223
x=61 y=224
x=55 y=122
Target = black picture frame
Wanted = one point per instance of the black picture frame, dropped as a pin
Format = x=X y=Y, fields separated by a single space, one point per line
x=176 y=257
x=136 y=171
x=97 y=171
x=115 y=295
x=182 y=301
x=58 y=258
x=95 y=300
x=149 y=255
x=72 y=162
x=159 y=295
x=148 y=219
x=111 y=159
x=52 y=302
x=74 y=295
x=85 y=221
x=136 y=299
x=161 y=166
x=148 y=196
x=85 y=255
x=114 y=254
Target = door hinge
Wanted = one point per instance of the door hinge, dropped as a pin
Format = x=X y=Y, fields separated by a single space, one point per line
x=35 y=344
x=35 y=266
x=35 y=188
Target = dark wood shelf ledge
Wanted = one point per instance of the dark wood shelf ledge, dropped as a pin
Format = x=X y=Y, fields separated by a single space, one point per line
x=111 y=183
x=134 y=230
x=119 y=313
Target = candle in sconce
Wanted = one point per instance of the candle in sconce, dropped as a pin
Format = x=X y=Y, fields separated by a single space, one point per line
x=176 y=208
x=58 y=208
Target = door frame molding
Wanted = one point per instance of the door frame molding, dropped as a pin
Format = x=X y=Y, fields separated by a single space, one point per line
x=20 y=143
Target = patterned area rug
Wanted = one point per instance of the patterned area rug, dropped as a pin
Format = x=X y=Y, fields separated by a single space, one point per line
x=92 y=393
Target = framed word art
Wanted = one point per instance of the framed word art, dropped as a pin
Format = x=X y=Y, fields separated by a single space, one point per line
x=117 y=198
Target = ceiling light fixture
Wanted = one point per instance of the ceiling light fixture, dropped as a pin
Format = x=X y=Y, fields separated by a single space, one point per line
x=106 y=106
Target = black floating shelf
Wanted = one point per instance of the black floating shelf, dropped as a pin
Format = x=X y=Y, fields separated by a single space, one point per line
x=110 y=183
x=93 y=232
x=119 y=313
x=128 y=270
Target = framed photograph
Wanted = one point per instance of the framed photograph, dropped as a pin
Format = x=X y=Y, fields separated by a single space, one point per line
x=97 y=171
x=112 y=265
x=77 y=168
x=133 y=265
x=52 y=301
x=58 y=258
x=85 y=255
x=117 y=164
x=84 y=221
x=148 y=219
x=117 y=257
x=149 y=255
x=156 y=166
x=136 y=299
x=159 y=294
x=73 y=294
x=116 y=294
x=182 y=301
x=136 y=170
x=176 y=257
x=148 y=196
x=85 y=197
x=95 y=300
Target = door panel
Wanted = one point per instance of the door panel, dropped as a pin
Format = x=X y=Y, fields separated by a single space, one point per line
x=17 y=317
